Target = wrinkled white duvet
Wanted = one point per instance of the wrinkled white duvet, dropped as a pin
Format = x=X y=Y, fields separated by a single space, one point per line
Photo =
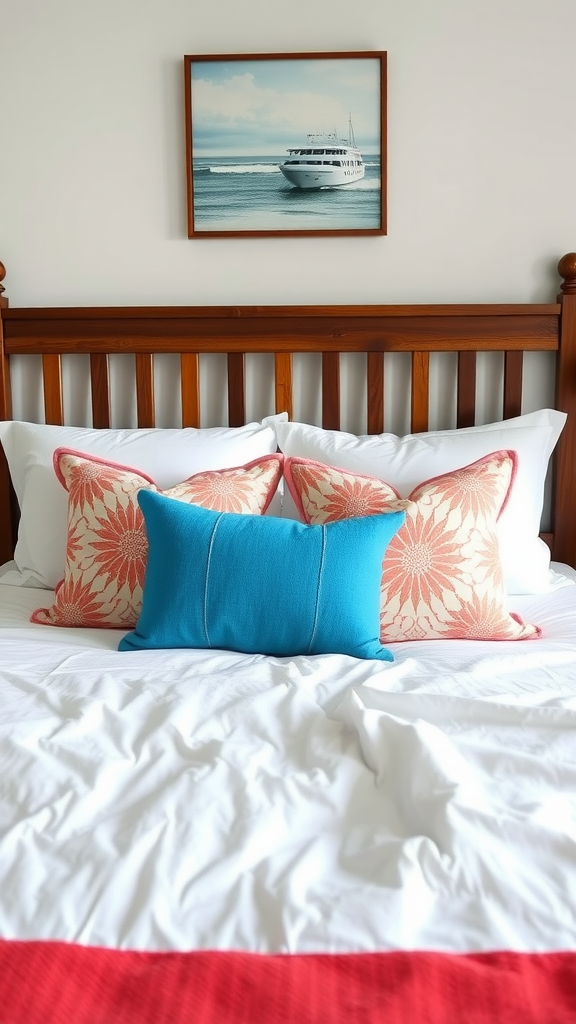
x=193 y=799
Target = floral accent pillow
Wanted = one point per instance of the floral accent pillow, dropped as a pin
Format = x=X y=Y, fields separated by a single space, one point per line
x=106 y=541
x=441 y=574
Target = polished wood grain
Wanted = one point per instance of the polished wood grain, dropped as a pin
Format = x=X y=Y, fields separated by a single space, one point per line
x=513 y=372
x=190 y=388
x=331 y=390
x=466 y=390
x=5 y=395
x=420 y=391
x=375 y=396
x=283 y=329
x=53 y=399
x=283 y=383
x=8 y=514
x=567 y=271
x=564 y=505
x=145 y=389
x=236 y=389
x=100 y=390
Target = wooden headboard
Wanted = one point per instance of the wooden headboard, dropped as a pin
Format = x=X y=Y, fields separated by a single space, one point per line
x=283 y=331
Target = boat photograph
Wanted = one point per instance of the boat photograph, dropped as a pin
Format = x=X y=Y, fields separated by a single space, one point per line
x=324 y=162
x=267 y=151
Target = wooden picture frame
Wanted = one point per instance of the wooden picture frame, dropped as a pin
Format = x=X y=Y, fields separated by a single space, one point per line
x=286 y=144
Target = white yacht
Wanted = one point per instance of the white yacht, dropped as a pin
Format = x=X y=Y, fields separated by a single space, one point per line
x=324 y=162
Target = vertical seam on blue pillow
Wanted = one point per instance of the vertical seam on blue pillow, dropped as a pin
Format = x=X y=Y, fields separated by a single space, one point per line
x=205 y=610
x=318 y=587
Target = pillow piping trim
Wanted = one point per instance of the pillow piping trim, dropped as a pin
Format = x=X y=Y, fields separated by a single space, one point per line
x=290 y=460
x=318 y=590
x=206 y=580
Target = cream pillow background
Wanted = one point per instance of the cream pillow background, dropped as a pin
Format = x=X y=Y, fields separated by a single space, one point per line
x=405 y=462
x=167 y=455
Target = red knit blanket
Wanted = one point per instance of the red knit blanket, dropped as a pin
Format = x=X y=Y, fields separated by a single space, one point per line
x=59 y=983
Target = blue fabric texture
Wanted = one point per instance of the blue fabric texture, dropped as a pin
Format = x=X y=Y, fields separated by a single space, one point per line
x=257 y=584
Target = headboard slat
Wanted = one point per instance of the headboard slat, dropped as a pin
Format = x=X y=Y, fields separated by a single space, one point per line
x=190 y=388
x=283 y=382
x=375 y=392
x=466 y=393
x=100 y=390
x=145 y=389
x=420 y=391
x=52 y=379
x=513 y=368
x=331 y=390
x=236 y=389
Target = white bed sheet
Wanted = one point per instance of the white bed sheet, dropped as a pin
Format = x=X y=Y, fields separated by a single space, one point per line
x=190 y=799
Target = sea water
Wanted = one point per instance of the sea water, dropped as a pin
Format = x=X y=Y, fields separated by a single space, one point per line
x=251 y=194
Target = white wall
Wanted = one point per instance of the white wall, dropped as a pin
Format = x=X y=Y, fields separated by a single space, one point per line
x=482 y=150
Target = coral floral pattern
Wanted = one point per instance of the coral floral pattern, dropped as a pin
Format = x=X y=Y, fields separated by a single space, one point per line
x=441 y=573
x=106 y=541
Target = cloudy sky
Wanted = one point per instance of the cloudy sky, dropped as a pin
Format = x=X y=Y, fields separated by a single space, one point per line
x=260 y=107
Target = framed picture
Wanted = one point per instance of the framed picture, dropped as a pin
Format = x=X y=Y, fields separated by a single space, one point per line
x=286 y=144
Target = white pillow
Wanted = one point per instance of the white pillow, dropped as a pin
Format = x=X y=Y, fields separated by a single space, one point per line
x=407 y=461
x=167 y=455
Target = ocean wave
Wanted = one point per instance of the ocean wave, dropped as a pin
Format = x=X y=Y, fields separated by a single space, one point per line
x=244 y=169
x=364 y=185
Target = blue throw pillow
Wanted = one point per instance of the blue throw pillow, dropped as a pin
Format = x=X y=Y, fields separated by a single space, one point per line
x=261 y=585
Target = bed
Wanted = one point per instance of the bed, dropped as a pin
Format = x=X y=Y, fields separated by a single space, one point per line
x=240 y=817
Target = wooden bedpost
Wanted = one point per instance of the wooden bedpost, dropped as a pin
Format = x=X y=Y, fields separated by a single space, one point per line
x=565 y=476
x=5 y=403
x=6 y=497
